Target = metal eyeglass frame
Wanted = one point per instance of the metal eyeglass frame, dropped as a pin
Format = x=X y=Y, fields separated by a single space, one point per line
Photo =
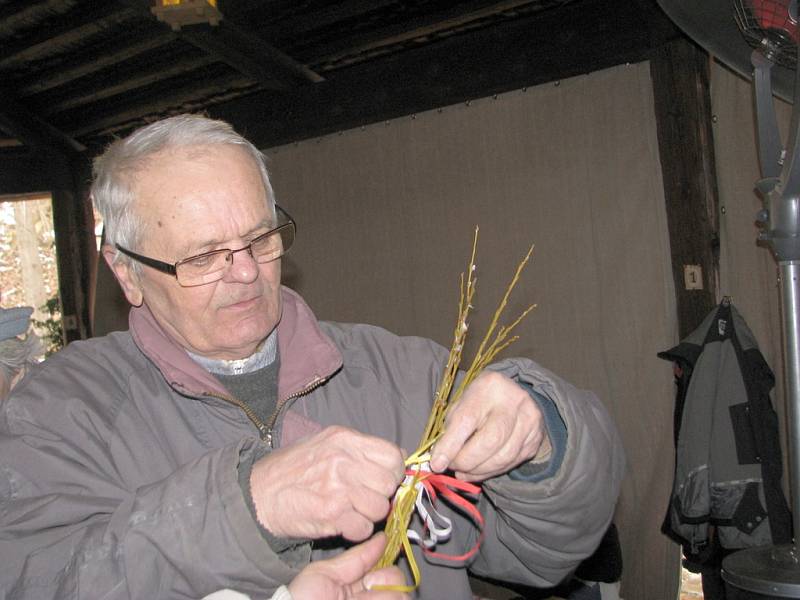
x=172 y=268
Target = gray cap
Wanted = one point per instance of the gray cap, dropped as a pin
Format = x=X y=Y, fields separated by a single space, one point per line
x=14 y=321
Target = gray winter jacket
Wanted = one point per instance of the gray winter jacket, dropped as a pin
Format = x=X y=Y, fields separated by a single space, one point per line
x=119 y=455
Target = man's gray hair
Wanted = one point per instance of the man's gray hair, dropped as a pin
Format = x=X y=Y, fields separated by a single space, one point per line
x=114 y=171
x=17 y=354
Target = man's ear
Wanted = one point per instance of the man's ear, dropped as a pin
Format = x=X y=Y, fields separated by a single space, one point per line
x=127 y=279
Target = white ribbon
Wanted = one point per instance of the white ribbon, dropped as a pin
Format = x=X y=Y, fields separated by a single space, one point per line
x=438 y=526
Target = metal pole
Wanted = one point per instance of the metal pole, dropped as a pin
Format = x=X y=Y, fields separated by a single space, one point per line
x=774 y=571
x=790 y=308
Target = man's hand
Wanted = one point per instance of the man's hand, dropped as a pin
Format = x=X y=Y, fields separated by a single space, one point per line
x=347 y=576
x=495 y=427
x=337 y=482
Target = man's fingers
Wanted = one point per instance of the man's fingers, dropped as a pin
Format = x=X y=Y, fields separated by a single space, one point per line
x=492 y=445
x=337 y=481
x=368 y=475
x=383 y=453
x=351 y=570
x=458 y=430
x=362 y=446
x=386 y=576
x=370 y=504
x=495 y=427
x=506 y=445
x=354 y=526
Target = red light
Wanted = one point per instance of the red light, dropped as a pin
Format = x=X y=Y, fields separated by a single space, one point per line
x=774 y=15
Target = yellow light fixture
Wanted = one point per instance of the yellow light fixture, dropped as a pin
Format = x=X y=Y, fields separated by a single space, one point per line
x=187 y=12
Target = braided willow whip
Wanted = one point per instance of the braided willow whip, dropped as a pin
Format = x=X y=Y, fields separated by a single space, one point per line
x=493 y=342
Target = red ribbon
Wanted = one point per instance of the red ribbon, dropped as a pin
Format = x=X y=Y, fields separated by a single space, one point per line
x=452 y=489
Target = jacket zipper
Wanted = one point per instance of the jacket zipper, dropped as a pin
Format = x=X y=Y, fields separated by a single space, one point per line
x=310 y=386
x=265 y=430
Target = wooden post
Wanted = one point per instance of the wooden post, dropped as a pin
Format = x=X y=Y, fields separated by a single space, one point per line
x=680 y=73
x=75 y=248
x=64 y=162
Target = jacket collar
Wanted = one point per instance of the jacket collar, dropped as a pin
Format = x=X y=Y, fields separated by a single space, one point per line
x=308 y=356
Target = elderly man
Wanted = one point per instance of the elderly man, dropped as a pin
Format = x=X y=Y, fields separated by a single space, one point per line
x=229 y=437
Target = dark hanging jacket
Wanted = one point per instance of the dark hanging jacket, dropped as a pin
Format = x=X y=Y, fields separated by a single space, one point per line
x=728 y=456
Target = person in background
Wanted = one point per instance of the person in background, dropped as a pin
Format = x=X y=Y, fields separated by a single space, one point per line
x=19 y=346
x=229 y=437
x=346 y=576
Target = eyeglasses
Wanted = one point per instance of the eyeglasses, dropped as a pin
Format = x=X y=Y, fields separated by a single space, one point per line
x=211 y=266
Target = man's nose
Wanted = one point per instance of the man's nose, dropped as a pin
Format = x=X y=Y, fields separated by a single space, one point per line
x=243 y=267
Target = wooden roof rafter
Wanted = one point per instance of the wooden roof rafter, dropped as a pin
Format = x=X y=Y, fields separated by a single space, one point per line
x=101 y=57
x=246 y=53
x=31 y=130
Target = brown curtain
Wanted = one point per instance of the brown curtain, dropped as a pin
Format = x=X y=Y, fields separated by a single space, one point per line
x=386 y=215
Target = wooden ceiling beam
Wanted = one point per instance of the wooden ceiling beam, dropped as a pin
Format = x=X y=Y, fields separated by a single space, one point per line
x=14 y=17
x=493 y=60
x=243 y=51
x=187 y=95
x=180 y=67
x=227 y=6
x=249 y=55
x=50 y=38
x=108 y=55
x=322 y=17
x=34 y=131
x=430 y=24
